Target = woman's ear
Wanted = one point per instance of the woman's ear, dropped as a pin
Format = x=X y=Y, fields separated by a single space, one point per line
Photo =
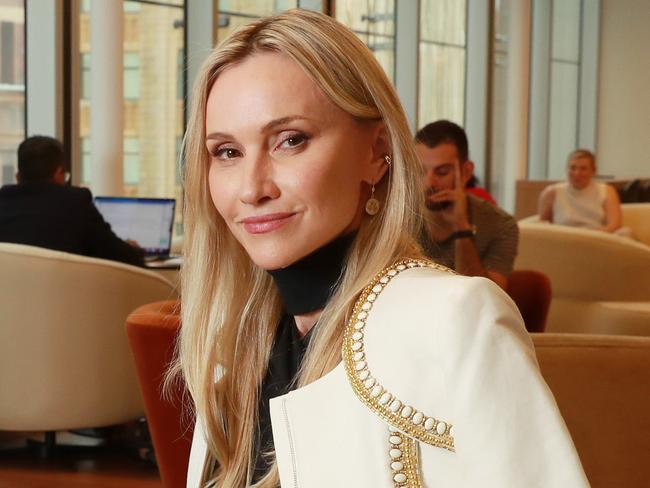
x=380 y=149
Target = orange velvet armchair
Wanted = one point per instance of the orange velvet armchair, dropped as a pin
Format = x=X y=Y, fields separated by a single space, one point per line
x=531 y=291
x=152 y=331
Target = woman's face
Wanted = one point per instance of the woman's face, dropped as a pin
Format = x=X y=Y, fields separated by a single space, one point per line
x=287 y=167
x=580 y=172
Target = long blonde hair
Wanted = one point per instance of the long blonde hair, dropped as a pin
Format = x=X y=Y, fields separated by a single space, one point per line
x=231 y=307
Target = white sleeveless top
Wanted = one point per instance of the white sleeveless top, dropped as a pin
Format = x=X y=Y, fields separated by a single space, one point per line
x=580 y=208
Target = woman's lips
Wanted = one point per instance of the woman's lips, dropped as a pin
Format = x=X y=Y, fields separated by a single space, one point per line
x=266 y=223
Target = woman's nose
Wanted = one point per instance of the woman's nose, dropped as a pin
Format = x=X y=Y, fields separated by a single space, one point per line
x=258 y=182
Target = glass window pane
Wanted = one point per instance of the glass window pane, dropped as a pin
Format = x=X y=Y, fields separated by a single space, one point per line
x=566 y=30
x=563 y=119
x=131 y=76
x=12 y=86
x=234 y=13
x=153 y=98
x=499 y=99
x=86 y=168
x=374 y=23
x=443 y=21
x=442 y=61
x=131 y=160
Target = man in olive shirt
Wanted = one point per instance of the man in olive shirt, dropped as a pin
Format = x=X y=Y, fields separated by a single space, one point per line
x=461 y=231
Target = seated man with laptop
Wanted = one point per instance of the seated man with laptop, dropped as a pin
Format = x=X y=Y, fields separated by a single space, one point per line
x=41 y=210
x=147 y=221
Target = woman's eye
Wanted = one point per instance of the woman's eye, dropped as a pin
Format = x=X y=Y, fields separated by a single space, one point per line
x=226 y=153
x=292 y=141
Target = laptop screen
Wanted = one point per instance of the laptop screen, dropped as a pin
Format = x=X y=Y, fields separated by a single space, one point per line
x=148 y=221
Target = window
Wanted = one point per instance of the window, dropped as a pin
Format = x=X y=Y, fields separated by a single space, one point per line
x=564 y=85
x=132 y=76
x=131 y=162
x=12 y=86
x=374 y=23
x=154 y=94
x=233 y=13
x=564 y=70
x=442 y=61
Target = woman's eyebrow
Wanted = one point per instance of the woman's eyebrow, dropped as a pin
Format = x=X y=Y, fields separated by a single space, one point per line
x=281 y=121
x=218 y=135
x=268 y=127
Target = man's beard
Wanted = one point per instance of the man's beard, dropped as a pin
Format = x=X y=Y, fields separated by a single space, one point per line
x=435 y=206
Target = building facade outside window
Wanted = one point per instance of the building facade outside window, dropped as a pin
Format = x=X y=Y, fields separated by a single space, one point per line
x=235 y=13
x=374 y=23
x=12 y=86
x=153 y=98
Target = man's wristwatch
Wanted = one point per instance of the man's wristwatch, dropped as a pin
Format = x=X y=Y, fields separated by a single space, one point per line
x=463 y=234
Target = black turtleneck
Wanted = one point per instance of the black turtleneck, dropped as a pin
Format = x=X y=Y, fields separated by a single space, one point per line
x=304 y=286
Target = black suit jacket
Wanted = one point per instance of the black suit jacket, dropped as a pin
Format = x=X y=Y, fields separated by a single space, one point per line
x=62 y=218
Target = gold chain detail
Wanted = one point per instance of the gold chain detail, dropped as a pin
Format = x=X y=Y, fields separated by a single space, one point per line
x=406 y=418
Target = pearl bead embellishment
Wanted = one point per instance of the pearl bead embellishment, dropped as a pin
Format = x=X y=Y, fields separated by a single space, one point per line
x=406 y=424
x=385 y=398
x=395 y=453
x=395 y=406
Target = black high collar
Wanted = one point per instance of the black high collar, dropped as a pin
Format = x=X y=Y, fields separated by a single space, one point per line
x=306 y=285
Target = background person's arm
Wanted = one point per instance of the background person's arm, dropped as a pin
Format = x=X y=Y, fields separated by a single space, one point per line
x=498 y=259
x=613 y=216
x=468 y=262
x=545 y=204
x=102 y=241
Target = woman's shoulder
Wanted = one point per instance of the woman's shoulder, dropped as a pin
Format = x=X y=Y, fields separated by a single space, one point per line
x=421 y=297
x=421 y=284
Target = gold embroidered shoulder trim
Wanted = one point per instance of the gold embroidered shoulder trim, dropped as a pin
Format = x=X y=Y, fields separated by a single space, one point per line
x=405 y=418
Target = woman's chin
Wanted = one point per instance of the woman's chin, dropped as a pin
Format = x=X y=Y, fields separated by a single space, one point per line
x=273 y=261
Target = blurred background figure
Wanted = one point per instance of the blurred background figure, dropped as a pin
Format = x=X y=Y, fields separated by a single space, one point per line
x=581 y=201
x=41 y=210
x=461 y=231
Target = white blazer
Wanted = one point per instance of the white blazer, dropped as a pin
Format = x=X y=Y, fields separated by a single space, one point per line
x=439 y=387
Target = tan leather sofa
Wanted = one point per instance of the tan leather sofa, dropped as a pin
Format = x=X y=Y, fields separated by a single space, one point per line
x=64 y=357
x=602 y=387
x=600 y=282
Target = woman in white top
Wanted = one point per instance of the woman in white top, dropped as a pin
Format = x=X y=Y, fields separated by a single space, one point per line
x=581 y=201
x=301 y=175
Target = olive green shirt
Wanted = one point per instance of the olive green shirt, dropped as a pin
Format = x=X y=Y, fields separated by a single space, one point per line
x=497 y=237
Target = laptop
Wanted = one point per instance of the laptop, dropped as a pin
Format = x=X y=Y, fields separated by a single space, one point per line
x=148 y=221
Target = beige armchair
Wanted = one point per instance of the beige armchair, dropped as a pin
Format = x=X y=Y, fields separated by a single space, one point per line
x=601 y=386
x=636 y=217
x=64 y=357
x=601 y=282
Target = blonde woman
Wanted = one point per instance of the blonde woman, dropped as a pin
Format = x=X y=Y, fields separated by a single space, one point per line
x=580 y=201
x=319 y=348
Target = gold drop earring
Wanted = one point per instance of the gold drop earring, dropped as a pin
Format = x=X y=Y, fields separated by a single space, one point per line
x=372 y=205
